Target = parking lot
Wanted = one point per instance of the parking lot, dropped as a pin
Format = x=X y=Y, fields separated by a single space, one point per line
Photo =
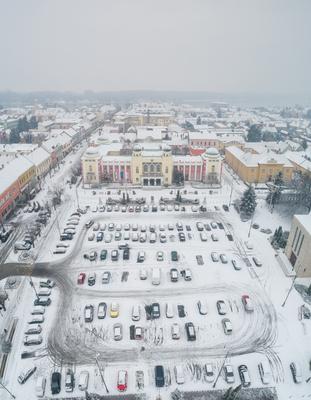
x=175 y=288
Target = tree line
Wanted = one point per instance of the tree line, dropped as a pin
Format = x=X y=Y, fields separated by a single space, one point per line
x=23 y=125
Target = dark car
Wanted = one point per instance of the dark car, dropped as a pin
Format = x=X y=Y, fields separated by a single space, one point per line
x=155 y=311
x=55 y=382
x=154 y=208
x=103 y=254
x=244 y=375
x=207 y=227
x=181 y=311
x=225 y=207
x=99 y=236
x=159 y=375
x=126 y=254
x=174 y=255
x=190 y=330
x=182 y=236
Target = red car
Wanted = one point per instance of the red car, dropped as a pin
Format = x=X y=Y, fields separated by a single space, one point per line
x=122 y=381
x=81 y=278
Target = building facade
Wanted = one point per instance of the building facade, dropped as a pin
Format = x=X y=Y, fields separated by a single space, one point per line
x=153 y=166
x=298 y=248
x=258 y=168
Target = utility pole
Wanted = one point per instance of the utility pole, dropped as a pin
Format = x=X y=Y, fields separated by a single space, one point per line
x=77 y=196
x=250 y=226
x=11 y=394
x=231 y=193
x=220 y=369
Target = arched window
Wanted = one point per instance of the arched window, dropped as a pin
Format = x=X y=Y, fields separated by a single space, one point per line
x=145 y=167
x=151 y=168
x=158 y=167
x=137 y=170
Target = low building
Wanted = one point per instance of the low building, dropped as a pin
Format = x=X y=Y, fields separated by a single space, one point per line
x=298 y=248
x=148 y=164
x=258 y=168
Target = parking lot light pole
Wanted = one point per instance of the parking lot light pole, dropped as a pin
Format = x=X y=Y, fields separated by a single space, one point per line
x=33 y=286
x=101 y=374
x=11 y=394
x=220 y=369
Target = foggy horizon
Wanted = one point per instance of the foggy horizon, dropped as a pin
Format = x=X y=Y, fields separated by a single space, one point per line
x=257 y=47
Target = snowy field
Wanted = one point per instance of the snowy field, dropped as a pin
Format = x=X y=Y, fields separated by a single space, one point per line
x=269 y=332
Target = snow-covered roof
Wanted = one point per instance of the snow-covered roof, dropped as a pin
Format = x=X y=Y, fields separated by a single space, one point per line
x=38 y=156
x=252 y=160
x=12 y=171
x=305 y=221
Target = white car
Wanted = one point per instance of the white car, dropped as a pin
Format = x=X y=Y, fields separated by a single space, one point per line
x=162 y=238
x=236 y=265
x=223 y=258
x=209 y=372
x=202 y=306
x=143 y=274
x=175 y=330
x=249 y=245
x=160 y=256
x=214 y=256
x=214 y=237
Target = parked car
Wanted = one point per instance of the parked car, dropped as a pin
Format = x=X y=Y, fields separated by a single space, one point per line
x=229 y=374
x=155 y=311
x=114 y=310
x=40 y=386
x=42 y=301
x=117 y=332
x=56 y=382
x=209 y=372
x=221 y=307
x=223 y=258
x=122 y=381
x=175 y=331
x=174 y=275
x=181 y=310
x=106 y=277
x=257 y=262
x=101 y=310
x=159 y=375
x=160 y=256
x=81 y=278
x=296 y=372
x=69 y=380
x=32 y=340
x=190 y=331
x=236 y=265
x=227 y=326
x=114 y=255
x=34 y=330
x=244 y=375
x=214 y=237
x=143 y=274
x=91 y=280
x=247 y=303
x=103 y=255
x=88 y=313
x=174 y=255
x=47 y=284
x=214 y=256
x=202 y=307
x=265 y=372
x=179 y=374
x=83 y=380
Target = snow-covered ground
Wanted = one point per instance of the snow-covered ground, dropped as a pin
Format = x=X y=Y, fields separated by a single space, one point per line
x=269 y=332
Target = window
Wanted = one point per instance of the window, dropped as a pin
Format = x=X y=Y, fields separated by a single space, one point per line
x=151 y=168
x=213 y=168
x=158 y=168
x=90 y=168
x=145 y=167
x=137 y=179
x=166 y=170
x=137 y=170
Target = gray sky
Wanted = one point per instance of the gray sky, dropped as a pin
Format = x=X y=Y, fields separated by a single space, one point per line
x=214 y=45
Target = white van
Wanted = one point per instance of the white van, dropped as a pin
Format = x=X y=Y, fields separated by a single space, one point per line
x=126 y=235
x=179 y=374
x=156 y=276
x=83 y=380
x=136 y=313
x=40 y=386
x=44 y=292
x=265 y=372
x=135 y=237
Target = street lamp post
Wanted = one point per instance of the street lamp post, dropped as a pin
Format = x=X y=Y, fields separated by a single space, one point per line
x=33 y=286
x=292 y=285
x=220 y=369
x=101 y=374
x=11 y=394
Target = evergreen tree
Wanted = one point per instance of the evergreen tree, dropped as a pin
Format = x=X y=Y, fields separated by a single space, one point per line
x=304 y=144
x=254 y=134
x=14 y=136
x=248 y=201
x=33 y=123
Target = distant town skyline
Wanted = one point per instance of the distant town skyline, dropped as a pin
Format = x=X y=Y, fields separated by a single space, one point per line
x=230 y=47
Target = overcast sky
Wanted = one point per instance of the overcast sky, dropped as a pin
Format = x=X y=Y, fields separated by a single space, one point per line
x=213 y=45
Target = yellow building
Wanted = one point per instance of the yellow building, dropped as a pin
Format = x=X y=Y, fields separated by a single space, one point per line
x=90 y=166
x=152 y=167
x=257 y=168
